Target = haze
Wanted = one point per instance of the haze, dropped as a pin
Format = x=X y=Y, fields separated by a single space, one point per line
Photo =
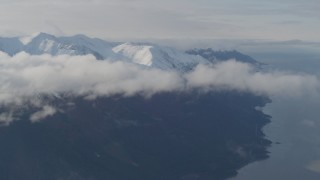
x=141 y=19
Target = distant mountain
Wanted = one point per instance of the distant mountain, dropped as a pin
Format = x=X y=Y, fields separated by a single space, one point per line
x=214 y=56
x=144 y=54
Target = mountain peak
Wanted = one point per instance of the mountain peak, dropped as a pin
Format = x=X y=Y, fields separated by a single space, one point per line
x=81 y=36
x=39 y=35
x=42 y=35
x=160 y=57
x=220 y=55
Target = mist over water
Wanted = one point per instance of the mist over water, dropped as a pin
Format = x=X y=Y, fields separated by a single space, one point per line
x=294 y=127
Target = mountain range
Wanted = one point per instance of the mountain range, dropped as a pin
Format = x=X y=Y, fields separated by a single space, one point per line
x=168 y=136
x=144 y=54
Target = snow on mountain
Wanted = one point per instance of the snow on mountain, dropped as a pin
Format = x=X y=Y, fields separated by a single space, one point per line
x=158 y=57
x=74 y=45
x=143 y=54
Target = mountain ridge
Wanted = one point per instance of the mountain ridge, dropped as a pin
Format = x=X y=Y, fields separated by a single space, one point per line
x=143 y=54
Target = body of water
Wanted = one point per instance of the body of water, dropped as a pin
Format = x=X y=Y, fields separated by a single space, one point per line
x=294 y=130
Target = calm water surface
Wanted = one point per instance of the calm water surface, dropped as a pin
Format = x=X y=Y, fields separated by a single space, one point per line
x=294 y=129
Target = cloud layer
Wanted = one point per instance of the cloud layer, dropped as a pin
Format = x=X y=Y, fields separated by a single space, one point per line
x=203 y=19
x=23 y=78
x=232 y=75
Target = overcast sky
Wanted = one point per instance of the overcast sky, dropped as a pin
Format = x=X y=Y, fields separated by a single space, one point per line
x=196 y=19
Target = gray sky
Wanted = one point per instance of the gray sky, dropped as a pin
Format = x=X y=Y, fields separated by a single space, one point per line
x=141 y=19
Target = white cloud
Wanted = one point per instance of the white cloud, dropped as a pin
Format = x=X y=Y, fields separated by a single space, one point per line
x=43 y=113
x=24 y=77
x=239 y=76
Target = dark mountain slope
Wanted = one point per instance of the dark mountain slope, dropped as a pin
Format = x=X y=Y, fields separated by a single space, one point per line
x=166 y=137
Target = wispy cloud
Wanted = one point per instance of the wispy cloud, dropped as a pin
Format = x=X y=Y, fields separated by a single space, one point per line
x=43 y=113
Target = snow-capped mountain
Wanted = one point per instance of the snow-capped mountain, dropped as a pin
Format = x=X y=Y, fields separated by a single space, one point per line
x=157 y=56
x=144 y=54
x=74 y=45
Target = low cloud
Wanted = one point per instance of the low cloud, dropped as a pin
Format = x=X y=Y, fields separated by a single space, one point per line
x=43 y=113
x=25 y=78
x=233 y=75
